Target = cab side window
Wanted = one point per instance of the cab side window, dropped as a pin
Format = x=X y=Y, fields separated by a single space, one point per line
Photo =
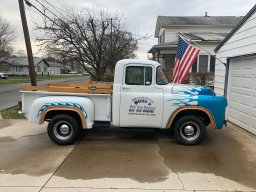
x=138 y=75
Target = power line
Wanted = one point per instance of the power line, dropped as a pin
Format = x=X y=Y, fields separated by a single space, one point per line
x=44 y=14
x=64 y=4
x=147 y=38
x=47 y=9
x=31 y=5
x=53 y=7
x=59 y=10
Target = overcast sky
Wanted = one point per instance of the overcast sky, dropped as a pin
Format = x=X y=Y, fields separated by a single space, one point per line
x=140 y=15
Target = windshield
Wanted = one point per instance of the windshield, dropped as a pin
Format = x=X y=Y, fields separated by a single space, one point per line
x=160 y=77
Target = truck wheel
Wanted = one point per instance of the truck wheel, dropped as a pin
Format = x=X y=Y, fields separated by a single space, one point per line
x=63 y=129
x=189 y=130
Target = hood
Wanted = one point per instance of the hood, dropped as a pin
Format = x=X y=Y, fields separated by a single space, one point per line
x=192 y=90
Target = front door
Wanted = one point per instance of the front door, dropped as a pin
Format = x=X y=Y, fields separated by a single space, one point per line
x=141 y=102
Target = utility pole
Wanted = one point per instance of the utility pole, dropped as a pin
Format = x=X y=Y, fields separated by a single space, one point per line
x=32 y=73
x=111 y=38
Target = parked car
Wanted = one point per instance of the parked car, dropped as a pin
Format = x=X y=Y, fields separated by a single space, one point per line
x=3 y=76
x=73 y=72
x=140 y=97
x=86 y=74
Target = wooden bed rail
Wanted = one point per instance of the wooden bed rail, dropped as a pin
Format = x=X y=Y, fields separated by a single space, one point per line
x=105 y=85
x=86 y=87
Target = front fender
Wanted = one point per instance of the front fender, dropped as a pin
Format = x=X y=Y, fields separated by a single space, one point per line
x=84 y=105
x=216 y=105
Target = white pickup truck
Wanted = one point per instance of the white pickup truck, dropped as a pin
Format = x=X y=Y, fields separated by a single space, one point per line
x=139 y=97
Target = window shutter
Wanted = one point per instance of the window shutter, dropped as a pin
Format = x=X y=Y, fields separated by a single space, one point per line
x=194 y=66
x=212 y=64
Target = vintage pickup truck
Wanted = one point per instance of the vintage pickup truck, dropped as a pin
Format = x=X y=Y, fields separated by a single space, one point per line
x=139 y=97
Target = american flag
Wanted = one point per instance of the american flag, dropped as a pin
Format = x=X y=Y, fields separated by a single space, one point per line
x=185 y=58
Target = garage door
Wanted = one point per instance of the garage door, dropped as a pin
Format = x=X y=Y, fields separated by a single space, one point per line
x=242 y=93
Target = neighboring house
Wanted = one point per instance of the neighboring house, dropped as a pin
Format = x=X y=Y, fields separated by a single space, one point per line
x=237 y=81
x=55 y=68
x=207 y=31
x=19 y=66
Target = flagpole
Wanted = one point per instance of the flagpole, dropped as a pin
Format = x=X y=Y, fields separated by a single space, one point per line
x=190 y=40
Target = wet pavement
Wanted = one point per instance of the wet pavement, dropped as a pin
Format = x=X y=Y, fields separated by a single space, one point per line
x=124 y=160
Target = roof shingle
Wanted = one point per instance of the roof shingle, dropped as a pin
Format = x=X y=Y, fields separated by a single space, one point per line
x=198 y=20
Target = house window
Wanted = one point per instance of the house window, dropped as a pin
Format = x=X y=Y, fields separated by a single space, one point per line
x=38 y=69
x=45 y=69
x=138 y=75
x=161 y=39
x=19 y=69
x=204 y=63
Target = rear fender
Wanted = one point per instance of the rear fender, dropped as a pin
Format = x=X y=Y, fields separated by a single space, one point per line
x=84 y=107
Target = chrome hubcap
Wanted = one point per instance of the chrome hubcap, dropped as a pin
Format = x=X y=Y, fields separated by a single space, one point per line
x=189 y=130
x=64 y=129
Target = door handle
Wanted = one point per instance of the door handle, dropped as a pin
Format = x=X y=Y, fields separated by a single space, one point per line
x=125 y=87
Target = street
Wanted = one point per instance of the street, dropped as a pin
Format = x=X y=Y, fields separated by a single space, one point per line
x=10 y=96
x=123 y=160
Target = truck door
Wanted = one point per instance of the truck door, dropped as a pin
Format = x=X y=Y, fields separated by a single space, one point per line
x=141 y=102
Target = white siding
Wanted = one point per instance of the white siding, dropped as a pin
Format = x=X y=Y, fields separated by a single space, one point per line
x=210 y=46
x=171 y=33
x=19 y=70
x=41 y=65
x=241 y=43
x=54 y=70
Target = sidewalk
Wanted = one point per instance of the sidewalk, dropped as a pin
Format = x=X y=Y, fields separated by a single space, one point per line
x=124 y=160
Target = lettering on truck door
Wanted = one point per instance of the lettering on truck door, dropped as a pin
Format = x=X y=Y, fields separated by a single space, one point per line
x=141 y=102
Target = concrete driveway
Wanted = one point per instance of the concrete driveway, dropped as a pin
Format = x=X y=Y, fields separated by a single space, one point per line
x=124 y=160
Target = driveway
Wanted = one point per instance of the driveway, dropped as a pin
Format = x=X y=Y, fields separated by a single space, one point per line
x=9 y=94
x=124 y=160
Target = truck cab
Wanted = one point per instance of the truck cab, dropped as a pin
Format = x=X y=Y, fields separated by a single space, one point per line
x=138 y=94
x=140 y=97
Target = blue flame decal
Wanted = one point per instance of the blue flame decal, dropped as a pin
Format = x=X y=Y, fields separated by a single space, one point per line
x=58 y=104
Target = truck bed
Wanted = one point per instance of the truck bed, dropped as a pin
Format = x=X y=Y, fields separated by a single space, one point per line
x=99 y=93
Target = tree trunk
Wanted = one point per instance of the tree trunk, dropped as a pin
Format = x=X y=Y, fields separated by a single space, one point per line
x=99 y=75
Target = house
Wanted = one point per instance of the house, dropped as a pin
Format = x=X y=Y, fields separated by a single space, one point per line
x=55 y=68
x=237 y=81
x=207 y=31
x=19 y=66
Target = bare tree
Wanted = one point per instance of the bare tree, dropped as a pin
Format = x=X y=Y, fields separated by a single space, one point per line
x=94 y=41
x=6 y=36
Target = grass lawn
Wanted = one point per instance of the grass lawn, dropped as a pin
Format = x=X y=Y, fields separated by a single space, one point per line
x=12 y=113
x=26 y=79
